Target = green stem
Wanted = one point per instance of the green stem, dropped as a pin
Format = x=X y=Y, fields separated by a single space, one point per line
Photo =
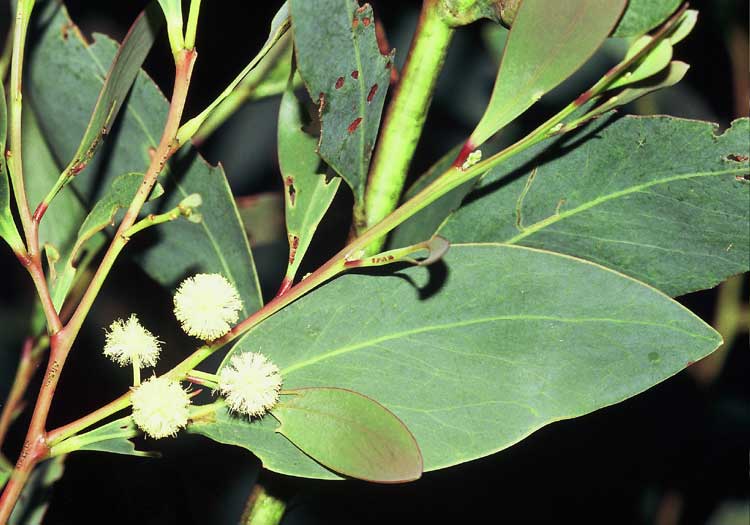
x=405 y=118
x=247 y=89
x=153 y=220
x=14 y=153
x=192 y=24
x=203 y=378
x=263 y=507
x=190 y=128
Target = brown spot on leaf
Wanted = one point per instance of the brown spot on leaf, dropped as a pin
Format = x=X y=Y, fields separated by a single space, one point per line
x=289 y=182
x=339 y=82
x=355 y=23
x=354 y=125
x=366 y=21
x=736 y=157
x=371 y=94
x=293 y=245
x=355 y=74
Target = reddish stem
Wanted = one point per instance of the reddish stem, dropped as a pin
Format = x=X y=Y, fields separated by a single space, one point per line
x=466 y=150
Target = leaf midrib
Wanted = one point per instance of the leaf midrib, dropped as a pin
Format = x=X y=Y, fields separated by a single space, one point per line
x=540 y=225
x=447 y=326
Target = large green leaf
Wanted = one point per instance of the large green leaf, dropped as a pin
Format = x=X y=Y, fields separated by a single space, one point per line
x=349 y=433
x=307 y=192
x=548 y=42
x=658 y=198
x=341 y=65
x=642 y=15
x=65 y=77
x=500 y=343
x=8 y=230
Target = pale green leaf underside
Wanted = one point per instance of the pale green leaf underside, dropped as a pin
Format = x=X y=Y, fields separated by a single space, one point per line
x=548 y=42
x=512 y=339
x=65 y=77
x=657 y=198
x=341 y=65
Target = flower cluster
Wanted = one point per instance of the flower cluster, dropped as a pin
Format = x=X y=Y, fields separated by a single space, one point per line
x=161 y=407
x=207 y=305
x=129 y=342
x=250 y=384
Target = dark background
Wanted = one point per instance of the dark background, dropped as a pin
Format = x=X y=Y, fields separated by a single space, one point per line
x=676 y=454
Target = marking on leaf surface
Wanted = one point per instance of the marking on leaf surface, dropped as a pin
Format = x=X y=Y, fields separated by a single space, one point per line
x=521 y=197
x=354 y=125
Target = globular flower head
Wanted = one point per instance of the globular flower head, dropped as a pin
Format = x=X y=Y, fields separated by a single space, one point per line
x=128 y=341
x=207 y=305
x=250 y=384
x=160 y=407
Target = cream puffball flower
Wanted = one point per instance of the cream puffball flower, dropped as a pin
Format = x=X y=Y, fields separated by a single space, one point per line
x=250 y=383
x=129 y=342
x=160 y=407
x=207 y=305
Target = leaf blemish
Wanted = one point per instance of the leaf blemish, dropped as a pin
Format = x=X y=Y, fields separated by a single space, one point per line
x=736 y=157
x=355 y=74
x=339 y=82
x=354 y=125
x=293 y=245
x=371 y=94
x=366 y=21
x=290 y=189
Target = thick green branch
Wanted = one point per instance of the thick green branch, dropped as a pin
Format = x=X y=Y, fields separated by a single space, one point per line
x=405 y=117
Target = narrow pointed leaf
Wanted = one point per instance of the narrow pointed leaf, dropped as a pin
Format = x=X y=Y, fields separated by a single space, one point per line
x=120 y=77
x=307 y=192
x=65 y=75
x=658 y=58
x=276 y=43
x=8 y=230
x=670 y=76
x=114 y=438
x=655 y=61
x=475 y=357
x=349 y=433
x=662 y=199
x=548 y=42
x=341 y=65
